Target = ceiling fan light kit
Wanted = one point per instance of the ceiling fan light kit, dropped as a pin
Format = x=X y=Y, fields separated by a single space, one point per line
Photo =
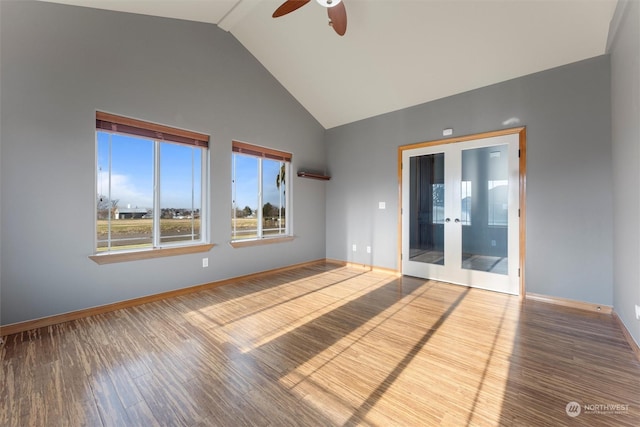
x=335 y=9
x=328 y=3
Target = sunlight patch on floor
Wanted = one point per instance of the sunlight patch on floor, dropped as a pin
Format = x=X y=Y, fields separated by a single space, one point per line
x=259 y=329
x=410 y=382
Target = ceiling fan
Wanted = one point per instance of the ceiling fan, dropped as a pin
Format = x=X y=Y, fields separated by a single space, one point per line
x=335 y=9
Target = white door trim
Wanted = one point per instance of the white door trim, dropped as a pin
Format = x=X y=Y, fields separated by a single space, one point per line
x=521 y=131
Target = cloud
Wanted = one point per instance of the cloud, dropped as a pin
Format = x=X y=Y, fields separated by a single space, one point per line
x=125 y=191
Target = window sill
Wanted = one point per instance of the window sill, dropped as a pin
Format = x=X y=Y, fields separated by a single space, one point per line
x=114 y=257
x=258 y=242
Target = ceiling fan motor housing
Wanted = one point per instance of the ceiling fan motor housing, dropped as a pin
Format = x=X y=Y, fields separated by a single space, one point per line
x=335 y=9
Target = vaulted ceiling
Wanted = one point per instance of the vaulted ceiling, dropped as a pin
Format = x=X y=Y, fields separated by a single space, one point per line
x=396 y=53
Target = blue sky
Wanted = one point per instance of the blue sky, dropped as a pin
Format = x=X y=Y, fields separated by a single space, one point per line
x=132 y=174
x=246 y=189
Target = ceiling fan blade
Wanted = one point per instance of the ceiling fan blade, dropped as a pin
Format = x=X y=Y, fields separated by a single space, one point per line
x=338 y=18
x=288 y=7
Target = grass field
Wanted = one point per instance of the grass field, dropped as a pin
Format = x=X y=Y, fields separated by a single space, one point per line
x=248 y=227
x=136 y=233
x=144 y=226
x=245 y=223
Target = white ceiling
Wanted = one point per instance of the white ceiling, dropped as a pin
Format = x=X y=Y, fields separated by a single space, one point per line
x=396 y=53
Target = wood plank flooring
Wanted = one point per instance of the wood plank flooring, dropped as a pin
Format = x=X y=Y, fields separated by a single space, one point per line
x=324 y=345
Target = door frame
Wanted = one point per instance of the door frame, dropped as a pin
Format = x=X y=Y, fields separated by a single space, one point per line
x=522 y=160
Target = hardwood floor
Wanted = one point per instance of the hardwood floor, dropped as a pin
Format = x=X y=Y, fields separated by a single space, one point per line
x=324 y=345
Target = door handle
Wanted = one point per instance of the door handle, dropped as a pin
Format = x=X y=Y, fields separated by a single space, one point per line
x=448 y=220
x=457 y=220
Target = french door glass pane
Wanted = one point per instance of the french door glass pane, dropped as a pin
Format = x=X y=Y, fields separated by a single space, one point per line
x=484 y=211
x=426 y=205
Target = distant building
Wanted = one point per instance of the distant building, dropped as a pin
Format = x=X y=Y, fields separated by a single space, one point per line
x=130 y=213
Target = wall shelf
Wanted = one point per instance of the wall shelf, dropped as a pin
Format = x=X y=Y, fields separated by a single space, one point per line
x=313 y=175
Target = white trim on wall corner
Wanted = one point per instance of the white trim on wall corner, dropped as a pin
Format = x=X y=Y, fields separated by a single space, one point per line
x=614 y=27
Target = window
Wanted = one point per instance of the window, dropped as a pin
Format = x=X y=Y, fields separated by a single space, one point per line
x=260 y=200
x=150 y=185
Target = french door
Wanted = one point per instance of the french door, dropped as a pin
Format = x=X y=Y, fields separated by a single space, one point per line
x=460 y=213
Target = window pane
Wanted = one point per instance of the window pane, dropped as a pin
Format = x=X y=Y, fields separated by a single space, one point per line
x=180 y=192
x=105 y=210
x=273 y=198
x=125 y=192
x=245 y=193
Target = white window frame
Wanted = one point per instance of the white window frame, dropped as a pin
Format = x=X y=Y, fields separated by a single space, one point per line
x=261 y=154
x=158 y=248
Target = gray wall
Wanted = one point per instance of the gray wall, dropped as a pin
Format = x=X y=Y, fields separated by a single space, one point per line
x=569 y=177
x=59 y=65
x=625 y=123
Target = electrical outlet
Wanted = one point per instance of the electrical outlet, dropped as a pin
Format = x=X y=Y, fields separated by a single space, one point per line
x=353 y=247
x=368 y=249
x=637 y=311
x=205 y=262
